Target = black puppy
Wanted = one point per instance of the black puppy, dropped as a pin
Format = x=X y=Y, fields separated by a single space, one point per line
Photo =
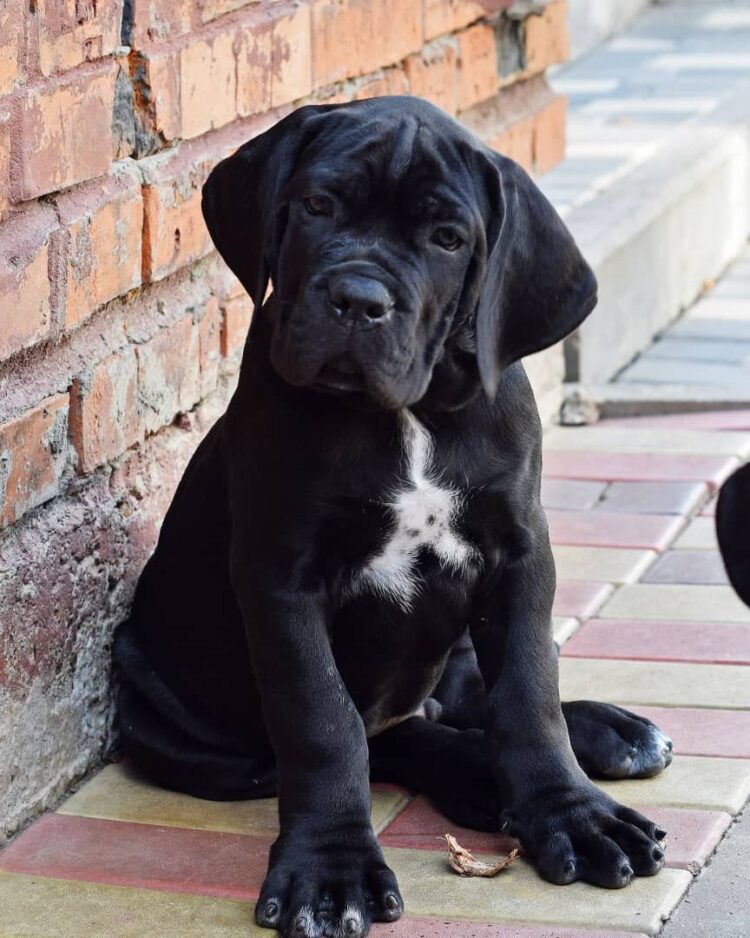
x=355 y=577
x=733 y=530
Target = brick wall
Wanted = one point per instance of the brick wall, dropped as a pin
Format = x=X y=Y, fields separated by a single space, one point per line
x=119 y=327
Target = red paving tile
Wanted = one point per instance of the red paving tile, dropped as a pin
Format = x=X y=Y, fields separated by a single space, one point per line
x=580 y=598
x=613 y=529
x=140 y=855
x=638 y=467
x=703 y=732
x=692 y=836
x=440 y=928
x=420 y=826
x=639 y=640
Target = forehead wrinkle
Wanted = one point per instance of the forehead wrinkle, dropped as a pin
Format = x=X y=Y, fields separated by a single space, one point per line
x=403 y=147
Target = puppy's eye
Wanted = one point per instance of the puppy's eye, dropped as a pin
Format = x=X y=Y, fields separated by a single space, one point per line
x=447 y=238
x=318 y=205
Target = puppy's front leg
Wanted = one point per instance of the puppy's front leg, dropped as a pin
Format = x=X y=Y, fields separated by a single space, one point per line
x=569 y=827
x=326 y=875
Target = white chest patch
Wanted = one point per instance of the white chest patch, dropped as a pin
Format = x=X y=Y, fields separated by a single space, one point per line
x=424 y=513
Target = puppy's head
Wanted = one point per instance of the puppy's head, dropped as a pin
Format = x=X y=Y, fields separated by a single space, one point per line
x=407 y=259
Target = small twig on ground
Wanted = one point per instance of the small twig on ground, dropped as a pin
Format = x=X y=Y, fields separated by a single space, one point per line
x=463 y=862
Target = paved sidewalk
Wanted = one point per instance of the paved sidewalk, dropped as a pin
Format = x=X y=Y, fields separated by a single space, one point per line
x=674 y=65
x=708 y=346
x=649 y=622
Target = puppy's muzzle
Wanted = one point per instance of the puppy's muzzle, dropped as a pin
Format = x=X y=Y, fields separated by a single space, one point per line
x=358 y=300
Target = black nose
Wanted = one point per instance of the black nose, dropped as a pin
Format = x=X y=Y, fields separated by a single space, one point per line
x=360 y=298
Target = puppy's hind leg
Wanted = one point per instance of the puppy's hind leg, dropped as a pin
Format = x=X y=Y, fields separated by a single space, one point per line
x=449 y=766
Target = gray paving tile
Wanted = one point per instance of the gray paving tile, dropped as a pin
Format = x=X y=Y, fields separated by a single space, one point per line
x=669 y=498
x=687 y=566
x=659 y=371
x=571 y=494
x=699 y=350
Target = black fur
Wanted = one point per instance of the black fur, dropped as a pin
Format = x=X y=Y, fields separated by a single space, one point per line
x=411 y=267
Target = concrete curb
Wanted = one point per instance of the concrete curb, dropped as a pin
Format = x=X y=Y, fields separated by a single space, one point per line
x=656 y=235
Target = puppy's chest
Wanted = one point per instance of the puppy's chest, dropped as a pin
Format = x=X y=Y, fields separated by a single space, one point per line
x=423 y=514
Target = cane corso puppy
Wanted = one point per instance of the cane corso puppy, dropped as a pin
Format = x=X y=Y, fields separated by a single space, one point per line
x=354 y=579
x=733 y=530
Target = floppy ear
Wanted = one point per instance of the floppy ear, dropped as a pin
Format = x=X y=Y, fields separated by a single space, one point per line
x=537 y=286
x=733 y=530
x=241 y=203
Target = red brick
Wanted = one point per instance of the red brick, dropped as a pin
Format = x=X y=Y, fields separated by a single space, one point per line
x=546 y=38
x=254 y=77
x=238 y=311
x=209 y=341
x=160 y=19
x=26 y=251
x=517 y=142
x=103 y=222
x=155 y=74
x=33 y=453
x=174 y=231
x=70 y=33
x=208 y=83
x=387 y=81
x=104 y=410
x=11 y=44
x=448 y=16
x=611 y=467
x=477 y=65
x=354 y=37
x=432 y=74
x=5 y=119
x=291 y=65
x=213 y=9
x=168 y=374
x=66 y=131
x=549 y=134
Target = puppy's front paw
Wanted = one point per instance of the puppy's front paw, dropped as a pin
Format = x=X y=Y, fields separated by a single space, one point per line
x=610 y=742
x=327 y=887
x=580 y=833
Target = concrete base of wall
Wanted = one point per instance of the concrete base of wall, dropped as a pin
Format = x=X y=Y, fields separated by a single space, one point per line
x=656 y=236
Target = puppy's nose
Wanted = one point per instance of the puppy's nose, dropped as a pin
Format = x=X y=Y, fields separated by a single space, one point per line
x=360 y=298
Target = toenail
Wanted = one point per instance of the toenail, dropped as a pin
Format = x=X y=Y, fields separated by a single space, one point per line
x=626 y=871
x=660 y=834
x=351 y=926
x=657 y=853
x=391 y=902
x=569 y=868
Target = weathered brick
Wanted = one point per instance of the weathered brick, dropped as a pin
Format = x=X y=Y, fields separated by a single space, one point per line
x=104 y=419
x=174 y=231
x=254 y=76
x=168 y=374
x=155 y=20
x=546 y=38
x=26 y=251
x=354 y=37
x=5 y=119
x=387 y=81
x=477 y=65
x=432 y=74
x=213 y=9
x=70 y=33
x=549 y=134
x=517 y=142
x=208 y=83
x=155 y=76
x=209 y=342
x=103 y=222
x=447 y=16
x=291 y=65
x=33 y=453
x=11 y=44
x=65 y=131
x=237 y=313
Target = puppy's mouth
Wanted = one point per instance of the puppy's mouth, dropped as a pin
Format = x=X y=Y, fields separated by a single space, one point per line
x=339 y=375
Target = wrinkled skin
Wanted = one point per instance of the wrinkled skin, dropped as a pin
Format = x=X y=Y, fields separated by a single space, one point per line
x=411 y=269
